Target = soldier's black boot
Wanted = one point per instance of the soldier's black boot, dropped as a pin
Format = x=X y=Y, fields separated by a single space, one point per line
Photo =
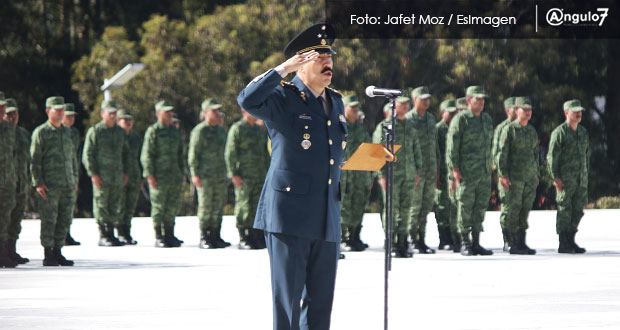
x=169 y=239
x=523 y=244
x=176 y=241
x=244 y=239
x=355 y=242
x=466 y=245
x=445 y=239
x=159 y=238
x=420 y=244
x=104 y=240
x=218 y=236
x=61 y=259
x=476 y=247
x=456 y=242
x=358 y=231
x=206 y=239
x=114 y=241
x=565 y=246
x=516 y=246
x=5 y=260
x=507 y=240
x=124 y=235
x=49 y=258
x=70 y=241
x=345 y=244
x=578 y=249
x=12 y=252
x=403 y=249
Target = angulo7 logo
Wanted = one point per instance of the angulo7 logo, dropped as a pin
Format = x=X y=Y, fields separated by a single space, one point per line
x=557 y=17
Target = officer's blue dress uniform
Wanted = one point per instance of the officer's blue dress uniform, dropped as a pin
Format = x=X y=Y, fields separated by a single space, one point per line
x=299 y=207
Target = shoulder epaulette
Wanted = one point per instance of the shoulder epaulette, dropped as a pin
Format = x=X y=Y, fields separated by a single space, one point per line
x=294 y=88
x=337 y=93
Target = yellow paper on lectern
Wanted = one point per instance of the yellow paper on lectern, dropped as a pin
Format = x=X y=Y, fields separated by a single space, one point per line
x=369 y=157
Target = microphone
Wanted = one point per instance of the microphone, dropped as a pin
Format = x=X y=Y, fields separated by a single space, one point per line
x=373 y=91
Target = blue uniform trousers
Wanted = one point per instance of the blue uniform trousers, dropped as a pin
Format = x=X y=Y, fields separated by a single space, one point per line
x=303 y=278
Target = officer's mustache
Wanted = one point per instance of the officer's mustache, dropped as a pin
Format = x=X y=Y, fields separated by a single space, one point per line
x=326 y=70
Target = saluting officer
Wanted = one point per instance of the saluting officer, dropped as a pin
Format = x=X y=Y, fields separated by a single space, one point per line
x=299 y=208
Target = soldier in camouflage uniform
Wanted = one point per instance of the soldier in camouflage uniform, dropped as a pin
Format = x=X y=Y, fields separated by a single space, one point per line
x=55 y=173
x=7 y=183
x=518 y=172
x=208 y=168
x=511 y=115
x=163 y=165
x=22 y=169
x=445 y=212
x=247 y=162
x=69 y=120
x=355 y=185
x=569 y=164
x=131 y=191
x=105 y=159
x=423 y=122
x=469 y=141
x=406 y=169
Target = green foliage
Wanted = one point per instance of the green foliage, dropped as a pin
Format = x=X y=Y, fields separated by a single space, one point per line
x=607 y=202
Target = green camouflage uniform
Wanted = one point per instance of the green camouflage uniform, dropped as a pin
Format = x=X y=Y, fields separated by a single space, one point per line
x=206 y=160
x=354 y=185
x=247 y=156
x=22 y=168
x=162 y=157
x=7 y=175
x=55 y=165
x=445 y=207
x=424 y=192
x=105 y=154
x=469 y=145
x=495 y=151
x=131 y=191
x=568 y=159
x=407 y=166
x=517 y=159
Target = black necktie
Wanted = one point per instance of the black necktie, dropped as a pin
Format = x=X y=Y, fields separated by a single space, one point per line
x=323 y=103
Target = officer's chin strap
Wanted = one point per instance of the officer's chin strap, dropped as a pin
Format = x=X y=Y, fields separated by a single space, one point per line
x=389 y=182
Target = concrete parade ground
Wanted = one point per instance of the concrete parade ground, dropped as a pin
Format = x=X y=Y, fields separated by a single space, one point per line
x=143 y=287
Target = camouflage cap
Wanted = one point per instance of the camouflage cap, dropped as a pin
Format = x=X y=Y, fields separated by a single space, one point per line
x=475 y=91
x=387 y=108
x=509 y=102
x=56 y=102
x=402 y=99
x=2 y=100
x=124 y=114
x=461 y=103
x=573 y=105
x=351 y=100
x=109 y=106
x=522 y=102
x=448 y=106
x=210 y=103
x=420 y=92
x=70 y=109
x=163 y=106
x=11 y=105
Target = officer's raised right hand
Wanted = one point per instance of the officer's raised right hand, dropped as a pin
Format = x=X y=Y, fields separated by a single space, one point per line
x=294 y=63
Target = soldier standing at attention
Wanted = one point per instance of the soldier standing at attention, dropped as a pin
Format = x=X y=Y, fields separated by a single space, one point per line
x=131 y=191
x=208 y=168
x=461 y=105
x=511 y=115
x=424 y=192
x=7 y=183
x=406 y=169
x=569 y=164
x=355 y=185
x=69 y=120
x=105 y=159
x=247 y=161
x=162 y=164
x=518 y=172
x=55 y=173
x=22 y=169
x=445 y=212
x=469 y=141
x=299 y=208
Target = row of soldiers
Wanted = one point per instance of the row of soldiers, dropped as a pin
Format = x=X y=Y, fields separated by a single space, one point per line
x=117 y=160
x=448 y=165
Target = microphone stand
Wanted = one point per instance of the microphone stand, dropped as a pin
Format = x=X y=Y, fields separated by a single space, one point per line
x=389 y=183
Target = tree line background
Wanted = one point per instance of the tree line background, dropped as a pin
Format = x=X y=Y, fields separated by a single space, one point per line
x=196 y=49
